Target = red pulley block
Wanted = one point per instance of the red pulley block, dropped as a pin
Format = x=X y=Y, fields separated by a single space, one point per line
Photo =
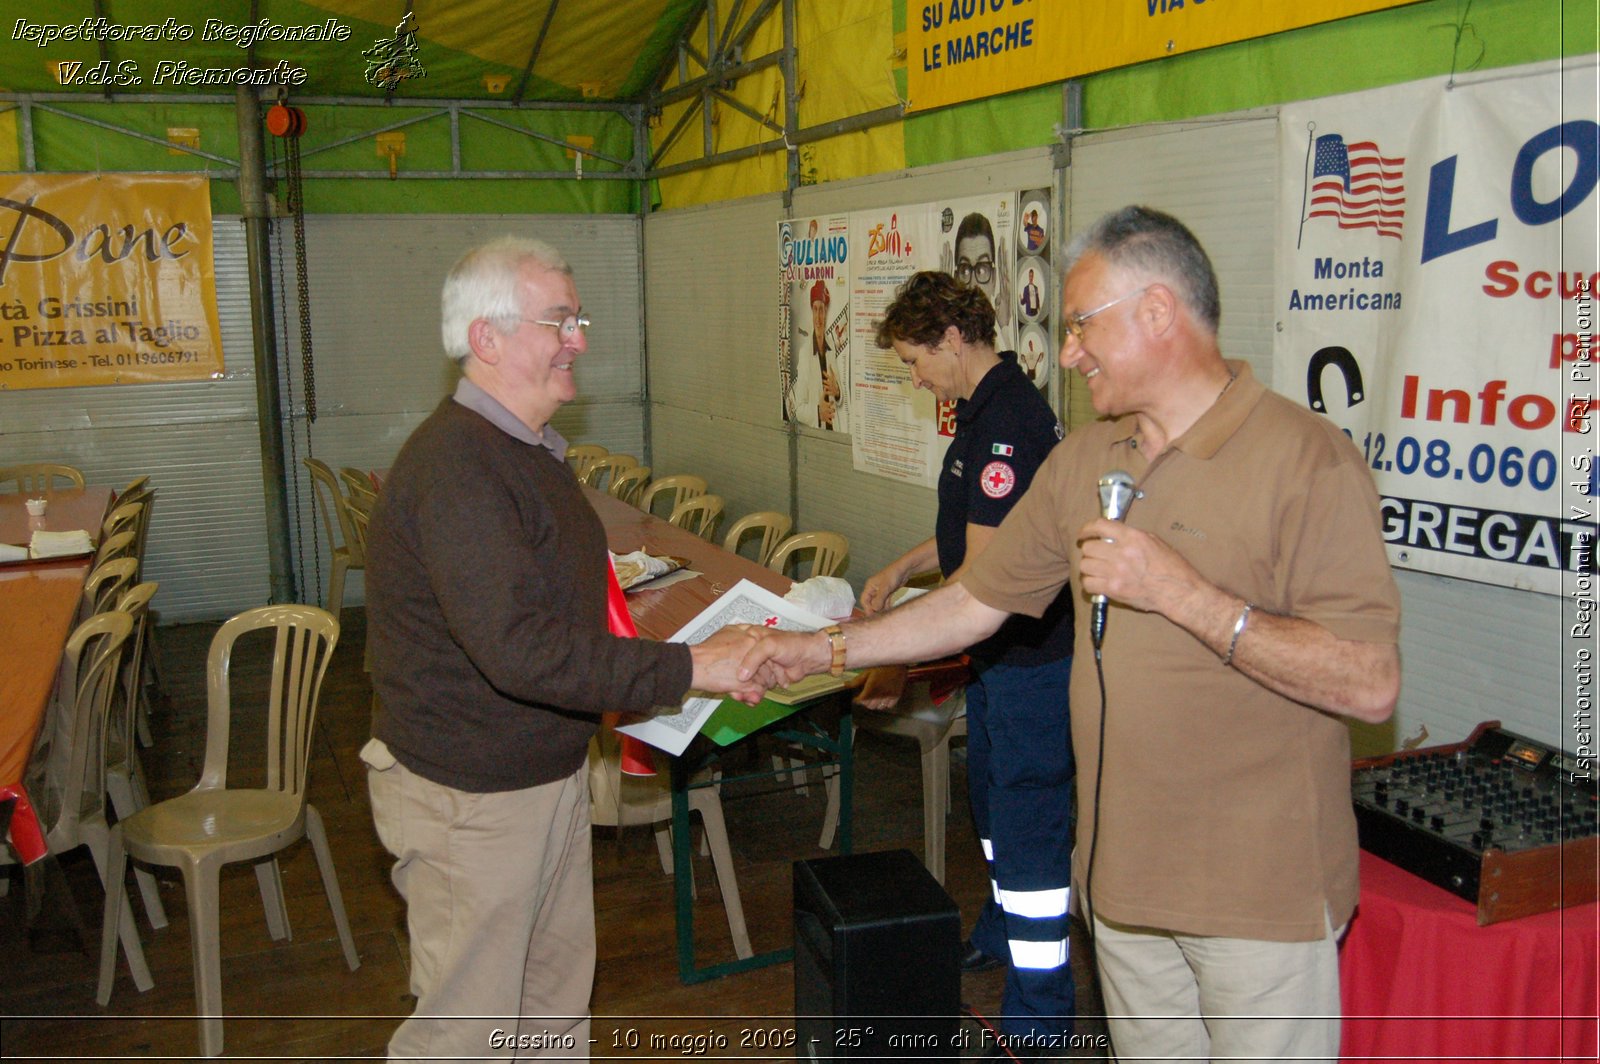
x=285 y=121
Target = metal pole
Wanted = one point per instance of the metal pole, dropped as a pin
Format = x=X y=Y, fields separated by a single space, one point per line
x=269 y=412
x=791 y=124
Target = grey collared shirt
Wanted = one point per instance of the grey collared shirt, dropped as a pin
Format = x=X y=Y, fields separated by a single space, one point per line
x=481 y=402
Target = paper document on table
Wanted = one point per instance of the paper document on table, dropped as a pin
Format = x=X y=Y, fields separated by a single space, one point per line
x=744 y=603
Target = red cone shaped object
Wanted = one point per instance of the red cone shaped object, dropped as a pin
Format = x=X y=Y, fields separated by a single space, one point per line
x=636 y=759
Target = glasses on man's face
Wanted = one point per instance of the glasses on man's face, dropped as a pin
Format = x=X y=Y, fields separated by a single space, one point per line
x=568 y=327
x=981 y=272
x=1074 y=322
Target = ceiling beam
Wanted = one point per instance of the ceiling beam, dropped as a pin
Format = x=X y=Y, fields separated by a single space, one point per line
x=626 y=108
x=892 y=113
x=715 y=77
x=538 y=46
x=671 y=60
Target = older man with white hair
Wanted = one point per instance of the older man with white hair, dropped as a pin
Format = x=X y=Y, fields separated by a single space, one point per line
x=492 y=662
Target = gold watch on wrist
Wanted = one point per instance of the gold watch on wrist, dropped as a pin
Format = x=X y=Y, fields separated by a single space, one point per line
x=836 y=639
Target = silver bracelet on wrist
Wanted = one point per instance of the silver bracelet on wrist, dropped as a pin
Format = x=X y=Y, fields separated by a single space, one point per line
x=1238 y=630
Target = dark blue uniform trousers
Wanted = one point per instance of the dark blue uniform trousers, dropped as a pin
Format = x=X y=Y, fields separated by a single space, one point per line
x=1020 y=773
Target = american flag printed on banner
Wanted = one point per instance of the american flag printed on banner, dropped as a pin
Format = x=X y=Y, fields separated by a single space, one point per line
x=1357 y=186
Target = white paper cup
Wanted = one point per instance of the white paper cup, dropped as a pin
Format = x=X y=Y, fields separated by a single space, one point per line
x=37 y=507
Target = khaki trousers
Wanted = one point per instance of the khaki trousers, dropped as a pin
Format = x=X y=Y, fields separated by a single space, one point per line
x=500 y=910
x=1194 y=997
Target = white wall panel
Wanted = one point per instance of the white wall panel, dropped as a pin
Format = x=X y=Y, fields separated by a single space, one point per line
x=380 y=363
x=711 y=309
x=712 y=317
x=745 y=463
x=881 y=518
x=1218 y=179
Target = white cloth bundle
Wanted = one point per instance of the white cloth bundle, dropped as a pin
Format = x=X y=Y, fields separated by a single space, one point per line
x=829 y=596
x=60 y=544
x=638 y=567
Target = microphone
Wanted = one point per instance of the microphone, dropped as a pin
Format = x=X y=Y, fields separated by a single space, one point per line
x=1116 y=495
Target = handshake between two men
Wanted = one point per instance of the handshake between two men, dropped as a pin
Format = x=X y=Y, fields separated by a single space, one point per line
x=746 y=661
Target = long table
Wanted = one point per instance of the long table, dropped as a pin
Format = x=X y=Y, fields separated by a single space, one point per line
x=38 y=605
x=658 y=614
x=67 y=509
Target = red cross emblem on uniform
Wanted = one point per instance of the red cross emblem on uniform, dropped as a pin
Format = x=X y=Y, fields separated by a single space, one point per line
x=770 y=622
x=997 y=479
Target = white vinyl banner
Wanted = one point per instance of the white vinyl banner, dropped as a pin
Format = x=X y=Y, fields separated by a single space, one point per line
x=1436 y=296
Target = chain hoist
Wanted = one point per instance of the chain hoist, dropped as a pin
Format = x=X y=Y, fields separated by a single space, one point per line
x=286 y=124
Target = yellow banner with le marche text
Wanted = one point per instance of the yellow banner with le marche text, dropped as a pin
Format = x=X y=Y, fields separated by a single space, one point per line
x=960 y=50
x=106 y=279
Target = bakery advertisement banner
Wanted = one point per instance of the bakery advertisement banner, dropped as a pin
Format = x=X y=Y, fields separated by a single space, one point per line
x=1436 y=294
x=106 y=279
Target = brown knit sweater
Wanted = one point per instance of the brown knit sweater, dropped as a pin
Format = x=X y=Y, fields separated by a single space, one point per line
x=486 y=613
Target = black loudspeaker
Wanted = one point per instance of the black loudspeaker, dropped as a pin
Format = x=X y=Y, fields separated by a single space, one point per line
x=877 y=960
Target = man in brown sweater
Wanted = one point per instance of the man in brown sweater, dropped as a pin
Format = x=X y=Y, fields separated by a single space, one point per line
x=492 y=661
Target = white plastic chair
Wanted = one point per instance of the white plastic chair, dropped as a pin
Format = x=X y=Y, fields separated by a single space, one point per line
x=214 y=824
x=604 y=469
x=626 y=484
x=345 y=552
x=698 y=515
x=581 y=455
x=616 y=800
x=121 y=545
x=74 y=810
x=829 y=552
x=678 y=487
x=932 y=726
x=38 y=478
x=106 y=583
x=125 y=780
x=772 y=525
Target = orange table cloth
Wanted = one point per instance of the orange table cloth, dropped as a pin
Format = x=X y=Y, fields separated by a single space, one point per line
x=38 y=605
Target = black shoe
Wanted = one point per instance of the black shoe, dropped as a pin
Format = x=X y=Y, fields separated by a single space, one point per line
x=974 y=959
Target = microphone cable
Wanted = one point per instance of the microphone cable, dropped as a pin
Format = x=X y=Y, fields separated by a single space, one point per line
x=1099 y=775
x=1094 y=842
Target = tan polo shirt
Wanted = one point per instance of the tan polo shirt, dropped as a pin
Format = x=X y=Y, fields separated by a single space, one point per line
x=1226 y=807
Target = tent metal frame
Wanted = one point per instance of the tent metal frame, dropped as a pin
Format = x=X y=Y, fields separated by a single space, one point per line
x=720 y=62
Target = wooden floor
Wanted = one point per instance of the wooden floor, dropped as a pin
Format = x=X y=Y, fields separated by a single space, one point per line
x=297 y=999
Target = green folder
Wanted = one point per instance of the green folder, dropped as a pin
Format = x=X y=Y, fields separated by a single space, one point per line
x=733 y=720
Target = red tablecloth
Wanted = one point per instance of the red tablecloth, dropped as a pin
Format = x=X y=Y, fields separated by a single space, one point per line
x=1421 y=979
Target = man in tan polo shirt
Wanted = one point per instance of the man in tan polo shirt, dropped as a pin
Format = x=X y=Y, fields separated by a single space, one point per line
x=1251 y=607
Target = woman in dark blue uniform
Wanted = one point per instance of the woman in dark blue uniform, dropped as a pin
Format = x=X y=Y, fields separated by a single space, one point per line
x=1019 y=747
